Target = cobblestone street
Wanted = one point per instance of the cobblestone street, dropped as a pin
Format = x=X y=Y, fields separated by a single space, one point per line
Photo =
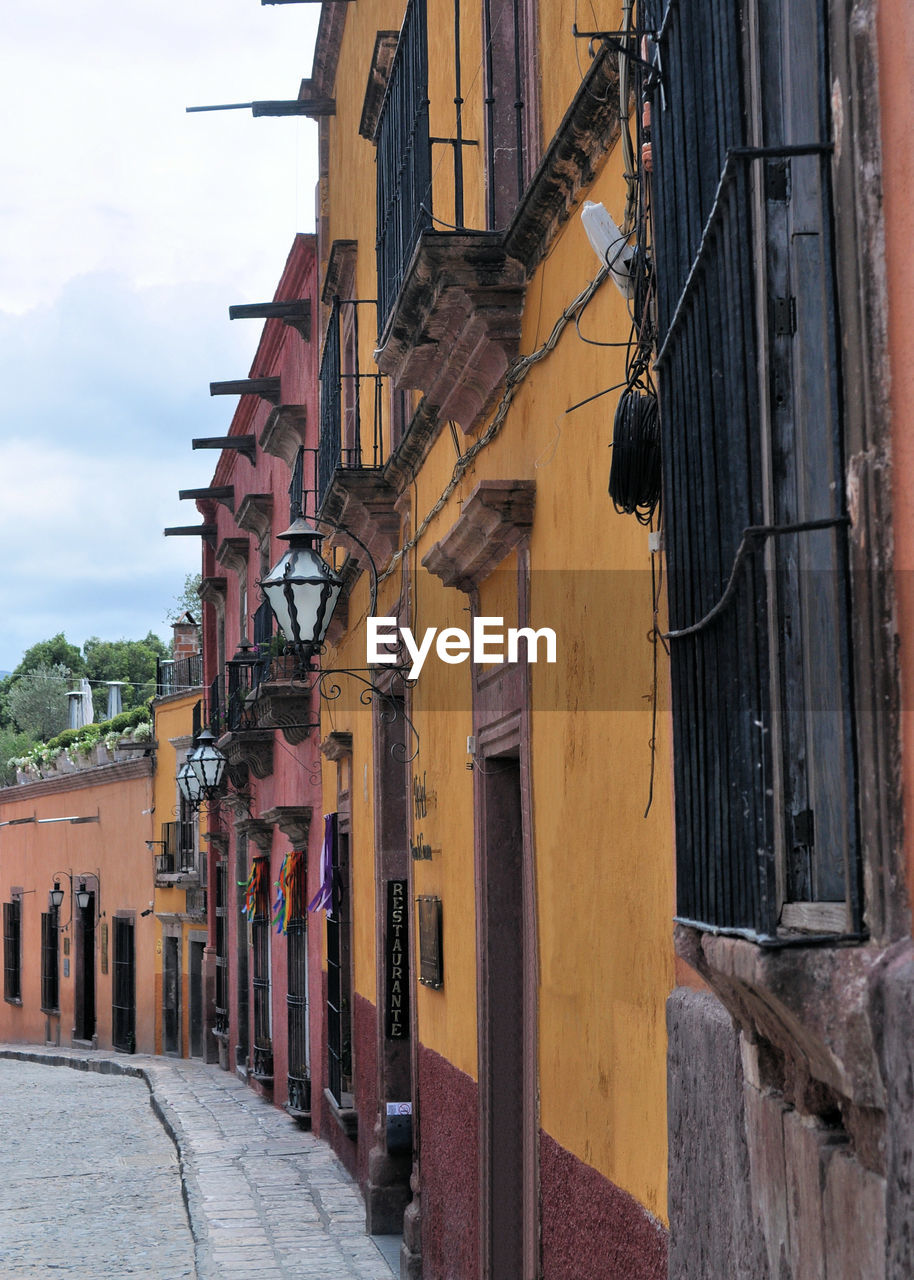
x=93 y=1186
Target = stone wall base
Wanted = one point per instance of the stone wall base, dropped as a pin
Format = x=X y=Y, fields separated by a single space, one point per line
x=760 y=1188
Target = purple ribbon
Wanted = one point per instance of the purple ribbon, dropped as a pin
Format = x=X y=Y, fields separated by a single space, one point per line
x=323 y=899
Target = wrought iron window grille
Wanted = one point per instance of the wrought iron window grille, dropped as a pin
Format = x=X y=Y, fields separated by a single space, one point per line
x=764 y=729
x=12 y=950
x=343 y=395
x=50 y=961
x=221 y=1014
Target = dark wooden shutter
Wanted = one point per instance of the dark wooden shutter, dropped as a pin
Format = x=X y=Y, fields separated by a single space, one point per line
x=760 y=686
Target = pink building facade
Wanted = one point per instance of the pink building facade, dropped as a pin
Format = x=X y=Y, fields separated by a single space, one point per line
x=263 y=960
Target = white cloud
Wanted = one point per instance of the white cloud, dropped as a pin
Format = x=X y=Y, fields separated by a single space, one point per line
x=127 y=228
x=103 y=168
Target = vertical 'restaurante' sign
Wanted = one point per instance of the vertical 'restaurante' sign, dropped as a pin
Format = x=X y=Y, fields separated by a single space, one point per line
x=397 y=936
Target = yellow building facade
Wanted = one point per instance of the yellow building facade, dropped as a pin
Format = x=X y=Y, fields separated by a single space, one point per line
x=179 y=867
x=473 y=350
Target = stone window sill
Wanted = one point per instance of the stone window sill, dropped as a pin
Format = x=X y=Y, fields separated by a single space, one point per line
x=346 y=1116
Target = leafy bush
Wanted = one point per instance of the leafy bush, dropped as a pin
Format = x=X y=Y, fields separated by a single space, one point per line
x=81 y=739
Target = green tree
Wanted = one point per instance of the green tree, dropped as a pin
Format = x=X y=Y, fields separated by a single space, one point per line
x=37 y=701
x=133 y=661
x=11 y=744
x=46 y=653
x=56 y=652
x=188 y=601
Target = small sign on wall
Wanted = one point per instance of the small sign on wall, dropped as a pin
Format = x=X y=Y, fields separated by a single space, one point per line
x=431 y=973
x=103 y=938
x=396 y=1015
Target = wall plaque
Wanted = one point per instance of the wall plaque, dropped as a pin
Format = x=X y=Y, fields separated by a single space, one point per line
x=430 y=960
x=396 y=1014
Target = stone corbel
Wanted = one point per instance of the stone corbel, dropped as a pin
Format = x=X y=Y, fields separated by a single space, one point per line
x=496 y=516
x=233 y=553
x=285 y=704
x=385 y=47
x=284 y=432
x=255 y=513
x=258 y=832
x=213 y=591
x=337 y=745
x=294 y=821
x=238 y=802
x=218 y=842
x=364 y=502
x=248 y=749
x=456 y=324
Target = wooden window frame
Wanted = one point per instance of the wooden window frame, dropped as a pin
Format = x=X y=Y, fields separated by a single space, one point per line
x=50 y=961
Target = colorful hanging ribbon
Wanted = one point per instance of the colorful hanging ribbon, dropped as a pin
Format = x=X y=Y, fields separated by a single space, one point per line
x=323 y=899
x=253 y=888
x=290 y=871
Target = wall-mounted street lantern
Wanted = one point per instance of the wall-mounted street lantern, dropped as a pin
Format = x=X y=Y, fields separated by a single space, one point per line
x=57 y=894
x=302 y=590
x=82 y=895
x=207 y=763
x=188 y=786
x=200 y=776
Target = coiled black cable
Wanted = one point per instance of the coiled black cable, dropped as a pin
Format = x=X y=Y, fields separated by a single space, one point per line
x=634 y=477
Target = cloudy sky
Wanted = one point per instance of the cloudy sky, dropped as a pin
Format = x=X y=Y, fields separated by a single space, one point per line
x=127 y=228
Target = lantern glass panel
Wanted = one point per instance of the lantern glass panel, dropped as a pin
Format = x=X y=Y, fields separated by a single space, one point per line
x=302 y=591
x=207 y=763
x=188 y=785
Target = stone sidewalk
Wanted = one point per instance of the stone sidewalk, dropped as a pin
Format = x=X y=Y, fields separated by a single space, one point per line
x=265 y=1200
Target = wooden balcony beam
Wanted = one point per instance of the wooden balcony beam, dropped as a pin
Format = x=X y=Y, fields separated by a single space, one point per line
x=267 y=388
x=296 y=314
x=246 y=445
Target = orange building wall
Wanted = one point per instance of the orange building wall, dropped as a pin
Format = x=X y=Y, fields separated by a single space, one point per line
x=33 y=854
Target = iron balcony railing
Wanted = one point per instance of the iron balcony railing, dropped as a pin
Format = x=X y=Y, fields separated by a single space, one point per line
x=351 y=399
x=214 y=703
x=264 y=627
x=410 y=161
x=227 y=709
x=177 y=675
x=404 y=159
x=179 y=856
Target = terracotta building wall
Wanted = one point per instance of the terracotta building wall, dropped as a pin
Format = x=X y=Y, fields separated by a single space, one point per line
x=112 y=848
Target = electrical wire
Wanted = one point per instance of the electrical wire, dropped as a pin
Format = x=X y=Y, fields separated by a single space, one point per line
x=634 y=477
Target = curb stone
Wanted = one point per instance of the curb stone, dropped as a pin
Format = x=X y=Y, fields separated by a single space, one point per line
x=190 y=1192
